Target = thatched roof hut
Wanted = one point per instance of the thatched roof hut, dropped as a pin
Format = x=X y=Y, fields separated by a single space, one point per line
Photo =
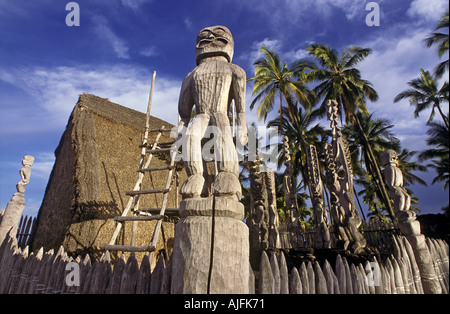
x=96 y=163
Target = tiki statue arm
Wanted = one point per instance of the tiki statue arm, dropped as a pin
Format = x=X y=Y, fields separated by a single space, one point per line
x=238 y=86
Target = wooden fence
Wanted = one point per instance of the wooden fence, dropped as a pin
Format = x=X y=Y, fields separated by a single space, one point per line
x=396 y=274
x=378 y=235
x=27 y=227
x=49 y=273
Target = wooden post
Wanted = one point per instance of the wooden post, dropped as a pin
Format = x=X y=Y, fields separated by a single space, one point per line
x=149 y=107
x=266 y=280
x=295 y=284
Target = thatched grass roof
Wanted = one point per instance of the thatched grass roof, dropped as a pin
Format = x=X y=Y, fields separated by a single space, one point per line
x=96 y=163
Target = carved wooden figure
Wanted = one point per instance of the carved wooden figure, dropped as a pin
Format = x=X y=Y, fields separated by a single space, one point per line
x=337 y=213
x=407 y=222
x=316 y=189
x=290 y=194
x=15 y=206
x=259 y=207
x=274 y=221
x=394 y=180
x=211 y=250
x=343 y=184
x=210 y=88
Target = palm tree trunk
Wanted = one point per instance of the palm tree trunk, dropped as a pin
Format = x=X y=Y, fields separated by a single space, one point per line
x=377 y=171
x=359 y=204
x=281 y=111
x=442 y=115
x=327 y=197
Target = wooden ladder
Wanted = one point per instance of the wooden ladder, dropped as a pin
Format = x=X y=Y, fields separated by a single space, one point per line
x=147 y=214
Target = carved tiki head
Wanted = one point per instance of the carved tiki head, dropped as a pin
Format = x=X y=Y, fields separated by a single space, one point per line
x=389 y=157
x=214 y=41
x=27 y=160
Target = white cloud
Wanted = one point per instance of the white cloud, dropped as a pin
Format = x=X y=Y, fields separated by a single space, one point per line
x=54 y=92
x=105 y=33
x=134 y=4
x=149 y=51
x=352 y=8
x=43 y=164
x=274 y=44
x=188 y=23
x=250 y=57
x=429 y=10
x=278 y=13
x=296 y=54
x=393 y=63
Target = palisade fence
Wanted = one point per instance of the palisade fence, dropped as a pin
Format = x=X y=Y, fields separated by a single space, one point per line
x=22 y=271
x=377 y=234
x=44 y=273
x=25 y=229
x=397 y=273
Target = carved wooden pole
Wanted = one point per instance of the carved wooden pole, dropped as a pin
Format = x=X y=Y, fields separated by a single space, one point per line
x=322 y=239
x=211 y=251
x=259 y=213
x=274 y=221
x=290 y=193
x=343 y=182
x=408 y=223
x=15 y=206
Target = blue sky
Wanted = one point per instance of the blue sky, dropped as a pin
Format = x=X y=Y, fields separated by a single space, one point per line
x=45 y=64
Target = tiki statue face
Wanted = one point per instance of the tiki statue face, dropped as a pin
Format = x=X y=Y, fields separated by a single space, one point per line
x=389 y=157
x=27 y=160
x=214 y=41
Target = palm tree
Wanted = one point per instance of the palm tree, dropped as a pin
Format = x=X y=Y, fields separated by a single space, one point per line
x=371 y=195
x=376 y=135
x=341 y=80
x=272 y=77
x=377 y=131
x=424 y=92
x=408 y=166
x=442 y=40
x=441 y=167
x=301 y=133
x=303 y=210
x=439 y=140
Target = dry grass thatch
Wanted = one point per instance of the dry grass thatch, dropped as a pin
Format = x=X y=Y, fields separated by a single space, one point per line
x=96 y=163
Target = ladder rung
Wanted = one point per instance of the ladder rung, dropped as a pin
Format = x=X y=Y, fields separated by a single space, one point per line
x=168 y=211
x=158 y=150
x=156 y=168
x=139 y=192
x=160 y=130
x=167 y=143
x=128 y=248
x=149 y=145
x=137 y=218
